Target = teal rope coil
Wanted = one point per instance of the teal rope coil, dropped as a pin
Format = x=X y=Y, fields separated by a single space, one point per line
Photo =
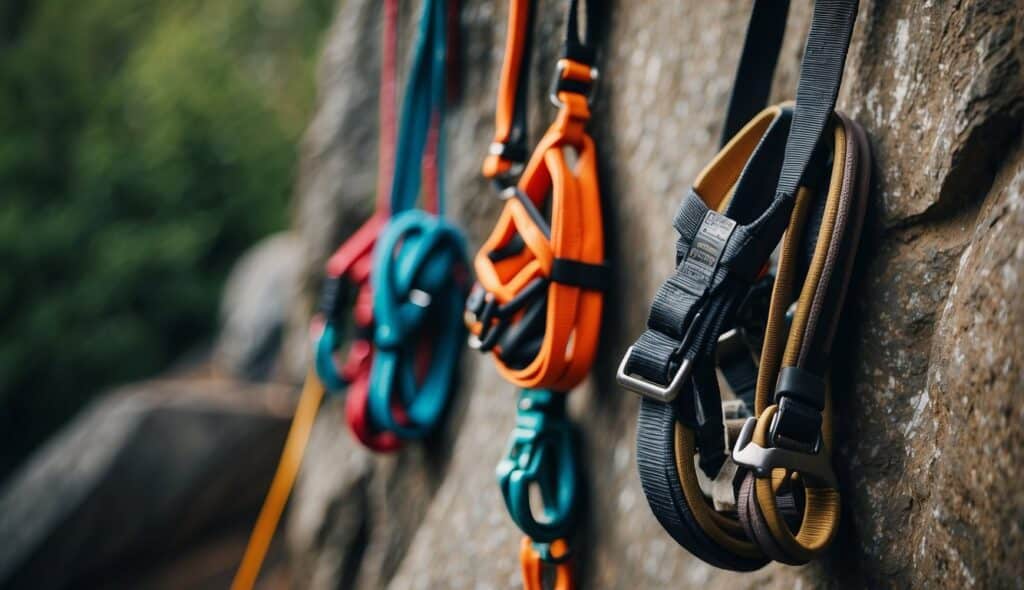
x=420 y=269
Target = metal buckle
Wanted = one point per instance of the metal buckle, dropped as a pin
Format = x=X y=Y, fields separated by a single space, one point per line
x=491 y=331
x=815 y=467
x=488 y=311
x=560 y=67
x=420 y=298
x=509 y=192
x=516 y=168
x=650 y=389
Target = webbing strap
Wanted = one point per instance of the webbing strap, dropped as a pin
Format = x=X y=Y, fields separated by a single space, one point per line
x=792 y=437
x=538 y=302
x=665 y=461
x=782 y=517
x=419 y=279
x=820 y=76
x=756 y=69
x=688 y=309
x=509 y=150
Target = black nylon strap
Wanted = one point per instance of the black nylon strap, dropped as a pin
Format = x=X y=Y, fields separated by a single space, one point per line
x=756 y=67
x=655 y=448
x=820 y=75
x=662 y=347
x=583 y=49
x=594 y=277
x=516 y=149
x=740 y=372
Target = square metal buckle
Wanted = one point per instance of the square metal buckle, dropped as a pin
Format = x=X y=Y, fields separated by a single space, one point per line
x=650 y=389
x=560 y=67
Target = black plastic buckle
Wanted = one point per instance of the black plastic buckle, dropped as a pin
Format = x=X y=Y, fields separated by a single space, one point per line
x=496 y=319
x=515 y=155
x=796 y=426
x=335 y=297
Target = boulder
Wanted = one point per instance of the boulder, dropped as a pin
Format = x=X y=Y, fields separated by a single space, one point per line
x=153 y=485
x=259 y=295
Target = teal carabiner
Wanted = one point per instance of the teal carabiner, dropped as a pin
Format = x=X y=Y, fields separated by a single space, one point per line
x=542 y=453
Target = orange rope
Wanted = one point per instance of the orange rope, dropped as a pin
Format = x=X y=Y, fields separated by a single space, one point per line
x=281 y=486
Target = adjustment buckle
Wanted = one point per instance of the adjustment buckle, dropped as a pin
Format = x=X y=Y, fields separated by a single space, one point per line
x=335 y=296
x=495 y=319
x=588 y=89
x=814 y=466
x=796 y=426
x=649 y=389
x=514 y=158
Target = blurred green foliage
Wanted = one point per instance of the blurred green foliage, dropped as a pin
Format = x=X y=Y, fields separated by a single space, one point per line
x=144 y=144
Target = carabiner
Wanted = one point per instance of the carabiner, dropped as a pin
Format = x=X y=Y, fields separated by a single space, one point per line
x=542 y=453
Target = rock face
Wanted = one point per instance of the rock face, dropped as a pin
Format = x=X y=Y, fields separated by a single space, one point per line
x=152 y=486
x=929 y=374
x=257 y=300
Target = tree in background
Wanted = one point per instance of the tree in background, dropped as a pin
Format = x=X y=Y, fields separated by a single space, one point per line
x=143 y=146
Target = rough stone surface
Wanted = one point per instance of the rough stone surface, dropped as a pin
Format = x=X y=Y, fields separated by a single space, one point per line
x=929 y=371
x=257 y=300
x=160 y=475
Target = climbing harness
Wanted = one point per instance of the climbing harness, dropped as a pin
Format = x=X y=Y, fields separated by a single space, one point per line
x=537 y=304
x=796 y=175
x=420 y=266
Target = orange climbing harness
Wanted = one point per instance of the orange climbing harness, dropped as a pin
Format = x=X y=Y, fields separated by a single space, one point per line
x=537 y=304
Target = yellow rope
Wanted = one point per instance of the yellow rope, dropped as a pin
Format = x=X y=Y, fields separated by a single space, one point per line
x=281 y=486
